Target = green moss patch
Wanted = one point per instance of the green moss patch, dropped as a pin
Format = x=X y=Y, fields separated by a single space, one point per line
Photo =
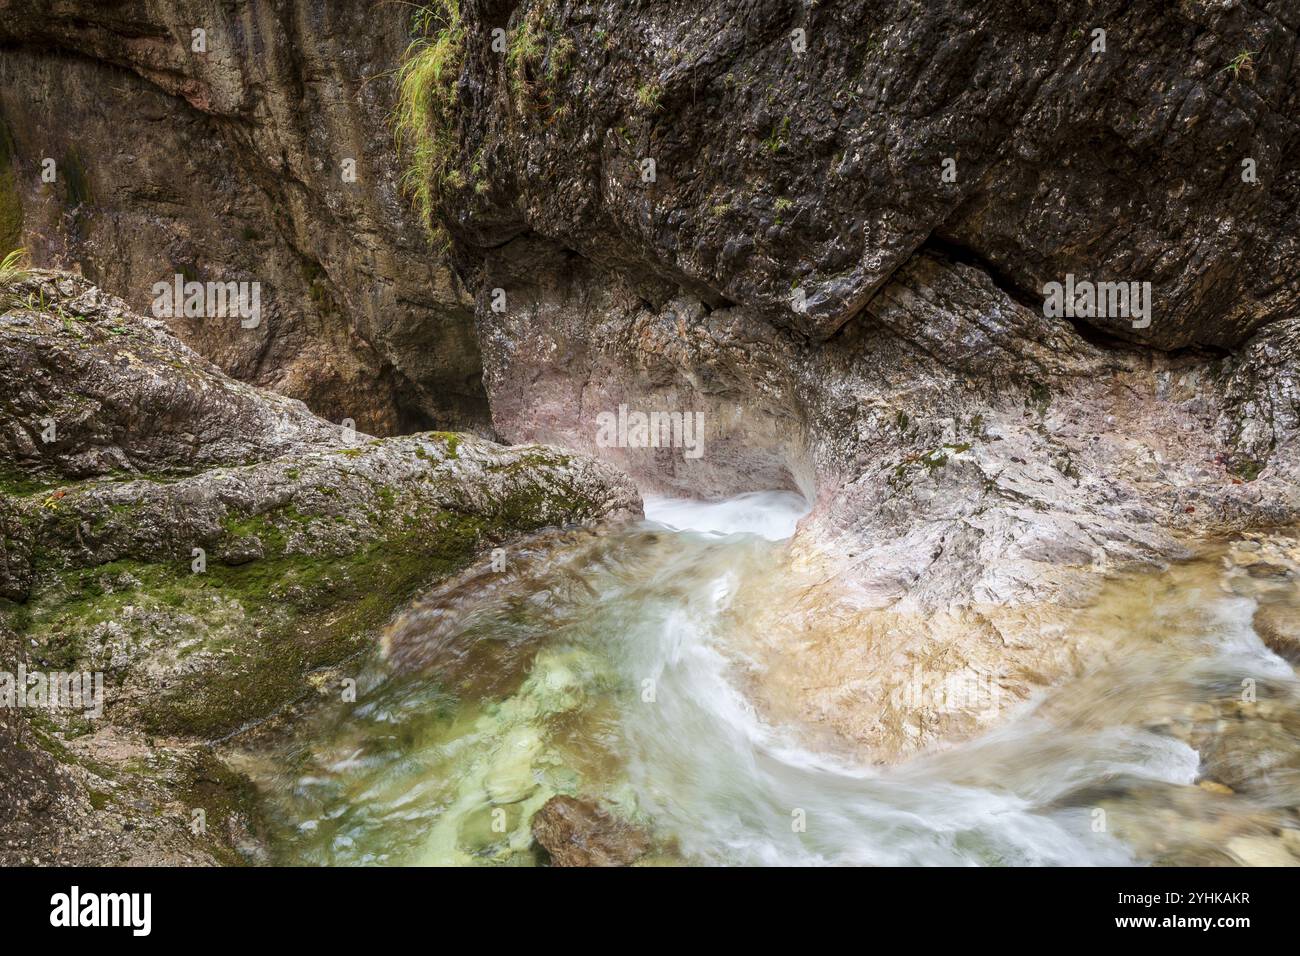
x=254 y=630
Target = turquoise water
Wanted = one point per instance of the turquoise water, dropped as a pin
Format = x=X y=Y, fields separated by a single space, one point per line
x=617 y=668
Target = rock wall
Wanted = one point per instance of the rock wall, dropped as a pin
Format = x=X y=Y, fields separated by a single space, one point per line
x=829 y=229
x=799 y=267
x=800 y=146
x=228 y=165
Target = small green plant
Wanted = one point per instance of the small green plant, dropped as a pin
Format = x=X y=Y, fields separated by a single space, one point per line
x=1243 y=62
x=648 y=96
x=11 y=267
x=524 y=52
x=560 y=59
x=776 y=140
x=426 y=120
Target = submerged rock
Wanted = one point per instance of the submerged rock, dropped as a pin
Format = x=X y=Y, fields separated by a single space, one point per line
x=1261 y=851
x=579 y=833
x=1278 y=626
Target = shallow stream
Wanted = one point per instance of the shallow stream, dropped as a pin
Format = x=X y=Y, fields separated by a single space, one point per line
x=614 y=668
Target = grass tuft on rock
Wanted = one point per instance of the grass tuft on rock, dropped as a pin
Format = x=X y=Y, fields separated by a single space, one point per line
x=426 y=118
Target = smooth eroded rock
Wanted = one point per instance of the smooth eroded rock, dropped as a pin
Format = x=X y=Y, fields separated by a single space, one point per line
x=580 y=833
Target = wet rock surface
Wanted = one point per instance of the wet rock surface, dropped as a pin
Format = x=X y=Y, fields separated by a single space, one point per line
x=100 y=390
x=1279 y=628
x=206 y=578
x=579 y=833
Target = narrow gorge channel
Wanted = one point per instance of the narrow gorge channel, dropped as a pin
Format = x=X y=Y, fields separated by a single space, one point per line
x=651 y=433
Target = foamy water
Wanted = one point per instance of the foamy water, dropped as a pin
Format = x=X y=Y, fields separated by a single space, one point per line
x=773 y=515
x=631 y=688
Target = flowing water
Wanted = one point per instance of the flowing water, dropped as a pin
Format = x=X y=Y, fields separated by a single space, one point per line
x=616 y=668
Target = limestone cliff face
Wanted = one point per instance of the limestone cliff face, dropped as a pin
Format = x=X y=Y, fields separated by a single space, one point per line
x=229 y=165
x=815 y=149
x=750 y=209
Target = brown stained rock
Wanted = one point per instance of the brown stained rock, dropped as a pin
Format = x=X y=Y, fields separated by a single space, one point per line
x=1262 y=851
x=580 y=833
x=1278 y=626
